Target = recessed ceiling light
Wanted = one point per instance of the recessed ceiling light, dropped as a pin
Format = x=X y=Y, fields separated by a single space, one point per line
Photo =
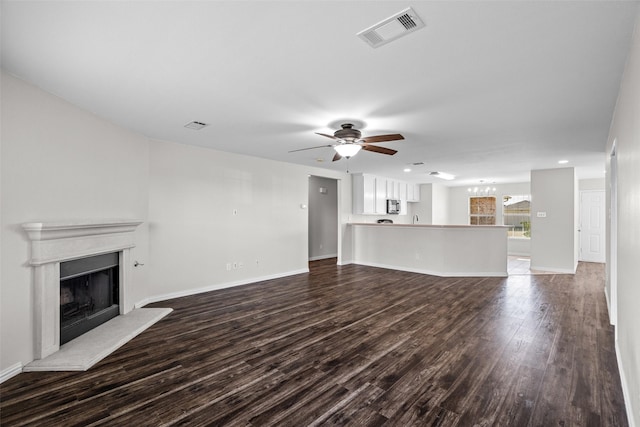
x=442 y=175
x=563 y=162
x=407 y=169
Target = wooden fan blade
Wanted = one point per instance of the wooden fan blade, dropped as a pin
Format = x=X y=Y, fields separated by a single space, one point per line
x=382 y=138
x=311 y=148
x=328 y=136
x=336 y=157
x=381 y=150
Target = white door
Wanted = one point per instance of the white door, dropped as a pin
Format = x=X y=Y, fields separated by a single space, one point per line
x=592 y=226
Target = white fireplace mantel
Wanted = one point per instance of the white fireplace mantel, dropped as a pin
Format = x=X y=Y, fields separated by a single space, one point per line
x=55 y=242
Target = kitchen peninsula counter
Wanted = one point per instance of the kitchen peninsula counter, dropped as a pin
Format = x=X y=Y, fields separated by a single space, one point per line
x=440 y=250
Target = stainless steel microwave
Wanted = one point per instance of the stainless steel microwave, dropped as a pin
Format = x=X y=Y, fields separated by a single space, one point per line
x=393 y=206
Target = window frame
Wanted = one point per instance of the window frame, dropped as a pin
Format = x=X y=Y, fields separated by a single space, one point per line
x=524 y=219
x=485 y=214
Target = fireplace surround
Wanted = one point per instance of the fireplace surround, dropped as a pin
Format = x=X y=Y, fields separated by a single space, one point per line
x=56 y=242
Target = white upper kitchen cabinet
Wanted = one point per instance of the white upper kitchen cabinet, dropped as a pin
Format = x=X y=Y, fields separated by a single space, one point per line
x=381 y=195
x=393 y=189
x=413 y=192
x=364 y=194
x=369 y=194
x=402 y=196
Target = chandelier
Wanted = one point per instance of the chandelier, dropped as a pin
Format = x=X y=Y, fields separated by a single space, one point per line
x=482 y=191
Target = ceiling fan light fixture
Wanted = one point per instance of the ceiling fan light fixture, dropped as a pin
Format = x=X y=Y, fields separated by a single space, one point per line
x=347 y=150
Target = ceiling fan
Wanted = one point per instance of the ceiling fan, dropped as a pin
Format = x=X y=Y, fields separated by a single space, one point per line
x=350 y=141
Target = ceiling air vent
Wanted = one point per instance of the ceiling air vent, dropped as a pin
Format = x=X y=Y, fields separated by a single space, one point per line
x=195 y=125
x=392 y=28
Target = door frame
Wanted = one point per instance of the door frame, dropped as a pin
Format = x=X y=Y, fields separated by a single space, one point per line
x=613 y=239
x=338 y=200
x=582 y=227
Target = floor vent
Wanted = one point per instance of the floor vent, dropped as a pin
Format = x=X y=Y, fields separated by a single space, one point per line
x=392 y=28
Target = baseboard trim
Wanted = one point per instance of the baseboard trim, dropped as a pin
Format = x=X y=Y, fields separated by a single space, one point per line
x=523 y=254
x=216 y=287
x=606 y=297
x=625 y=389
x=436 y=273
x=10 y=372
x=553 y=269
x=319 y=257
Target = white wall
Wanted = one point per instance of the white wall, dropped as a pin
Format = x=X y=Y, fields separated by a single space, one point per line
x=195 y=233
x=625 y=129
x=433 y=207
x=459 y=210
x=424 y=208
x=554 y=237
x=591 y=184
x=433 y=249
x=576 y=221
x=59 y=163
x=440 y=204
x=62 y=163
x=458 y=206
x=519 y=246
x=459 y=200
x=323 y=218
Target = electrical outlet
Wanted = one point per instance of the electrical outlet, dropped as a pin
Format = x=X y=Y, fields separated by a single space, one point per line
x=235 y=265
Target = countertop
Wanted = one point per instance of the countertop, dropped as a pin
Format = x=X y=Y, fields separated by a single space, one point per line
x=375 y=224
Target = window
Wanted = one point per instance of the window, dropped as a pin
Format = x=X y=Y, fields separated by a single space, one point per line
x=482 y=210
x=516 y=214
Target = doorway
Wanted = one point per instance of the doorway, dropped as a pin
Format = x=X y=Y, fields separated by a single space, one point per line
x=323 y=218
x=592 y=226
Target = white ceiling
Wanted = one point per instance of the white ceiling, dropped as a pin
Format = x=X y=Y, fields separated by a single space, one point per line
x=487 y=91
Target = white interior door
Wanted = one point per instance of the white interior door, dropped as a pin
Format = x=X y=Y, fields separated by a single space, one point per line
x=592 y=226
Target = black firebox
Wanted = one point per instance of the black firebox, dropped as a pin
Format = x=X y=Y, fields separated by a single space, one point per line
x=89 y=294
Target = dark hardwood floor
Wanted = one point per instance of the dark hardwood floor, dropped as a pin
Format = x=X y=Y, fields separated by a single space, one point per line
x=353 y=345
